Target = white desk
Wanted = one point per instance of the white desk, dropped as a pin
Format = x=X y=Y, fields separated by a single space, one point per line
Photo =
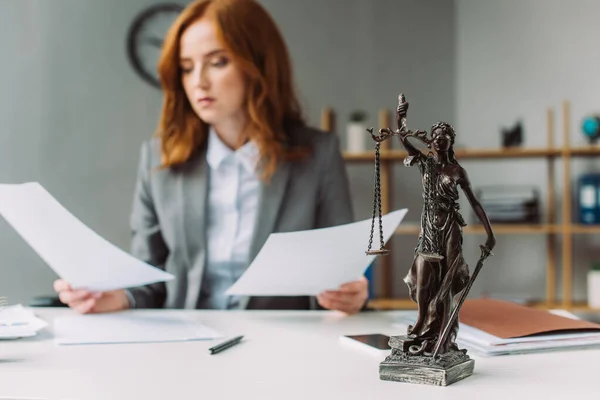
x=285 y=355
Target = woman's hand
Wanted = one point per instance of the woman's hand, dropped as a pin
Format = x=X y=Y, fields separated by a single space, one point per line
x=349 y=298
x=85 y=302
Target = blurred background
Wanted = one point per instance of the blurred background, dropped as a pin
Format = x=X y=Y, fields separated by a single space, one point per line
x=74 y=111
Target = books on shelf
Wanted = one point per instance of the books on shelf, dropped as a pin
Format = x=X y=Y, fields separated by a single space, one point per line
x=491 y=327
x=510 y=203
x=588 y=196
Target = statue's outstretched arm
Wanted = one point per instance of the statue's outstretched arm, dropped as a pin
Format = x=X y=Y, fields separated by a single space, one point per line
x=401 y=131
x=408 y=146
x=465 y=184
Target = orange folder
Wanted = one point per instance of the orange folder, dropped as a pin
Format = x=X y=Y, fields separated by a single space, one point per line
x=508 y=320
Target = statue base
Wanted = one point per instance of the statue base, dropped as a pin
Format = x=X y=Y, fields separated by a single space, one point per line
x=401 y=366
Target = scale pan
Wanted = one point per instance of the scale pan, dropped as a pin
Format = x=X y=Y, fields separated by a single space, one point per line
x=380 y=252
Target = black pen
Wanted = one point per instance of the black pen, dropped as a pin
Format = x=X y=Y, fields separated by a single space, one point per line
x=225 y=345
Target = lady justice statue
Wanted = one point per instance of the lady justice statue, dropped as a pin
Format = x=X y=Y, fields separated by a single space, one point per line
x=438 y=279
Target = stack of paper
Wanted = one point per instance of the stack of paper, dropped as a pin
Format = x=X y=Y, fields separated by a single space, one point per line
x=130 y=327
x=17 y=321
x=489 y=345
x=494 y=327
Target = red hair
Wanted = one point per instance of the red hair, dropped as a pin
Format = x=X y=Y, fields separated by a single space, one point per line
x=256 y=45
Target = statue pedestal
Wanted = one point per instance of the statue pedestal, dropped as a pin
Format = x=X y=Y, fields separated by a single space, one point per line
x=401 y=366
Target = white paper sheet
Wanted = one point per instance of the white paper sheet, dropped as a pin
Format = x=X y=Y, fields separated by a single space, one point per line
x=75 y=252
x=129 y=327
x=308 y=262
x=17 y=322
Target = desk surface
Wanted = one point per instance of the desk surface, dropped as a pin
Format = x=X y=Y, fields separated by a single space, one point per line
x=286 y=355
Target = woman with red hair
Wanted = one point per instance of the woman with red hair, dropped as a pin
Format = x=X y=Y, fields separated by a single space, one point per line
x=231 y=163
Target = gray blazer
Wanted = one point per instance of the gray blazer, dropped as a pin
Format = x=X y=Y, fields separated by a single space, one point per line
x=168 y=218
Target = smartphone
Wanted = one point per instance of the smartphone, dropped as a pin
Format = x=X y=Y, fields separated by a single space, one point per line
x=375 y=343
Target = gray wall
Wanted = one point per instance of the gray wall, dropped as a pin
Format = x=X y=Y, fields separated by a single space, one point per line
x=73 y=113
x=516 y=58
x=72 y=116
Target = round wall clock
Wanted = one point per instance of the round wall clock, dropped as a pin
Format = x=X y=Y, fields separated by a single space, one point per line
x=145 y=38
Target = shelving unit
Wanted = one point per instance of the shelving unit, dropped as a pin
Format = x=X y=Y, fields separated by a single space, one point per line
x=550 y=228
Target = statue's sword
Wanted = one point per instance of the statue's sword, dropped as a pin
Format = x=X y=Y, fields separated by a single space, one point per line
x=485 y=253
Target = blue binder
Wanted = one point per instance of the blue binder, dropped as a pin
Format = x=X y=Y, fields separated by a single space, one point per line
x=369 y=276
x=588 y=196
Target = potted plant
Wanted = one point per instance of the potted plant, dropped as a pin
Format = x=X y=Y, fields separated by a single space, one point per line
x=593 y=282
x=356 y=132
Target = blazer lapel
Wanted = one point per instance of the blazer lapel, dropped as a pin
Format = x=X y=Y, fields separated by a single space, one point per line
x=194 y=191
x=272 y=194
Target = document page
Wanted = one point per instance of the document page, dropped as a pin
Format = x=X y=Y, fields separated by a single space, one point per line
x=17 y=321
x=306 y=263
x=73 y=250
x=130 y=327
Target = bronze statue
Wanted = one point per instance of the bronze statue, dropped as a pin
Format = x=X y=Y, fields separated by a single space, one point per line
x=439 y=273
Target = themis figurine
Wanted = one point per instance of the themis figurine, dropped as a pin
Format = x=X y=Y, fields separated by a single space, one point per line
x=438 y=279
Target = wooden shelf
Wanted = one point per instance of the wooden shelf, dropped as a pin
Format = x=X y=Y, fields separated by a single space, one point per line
x=580 y=307
x=399 y=155
x=505 y=153
x=574 y=307
x=519 y=229
x=579 y=228
x=407 y=304
x=585 y=151
x=392 y=304
x=500 y=229
x=512 y=229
